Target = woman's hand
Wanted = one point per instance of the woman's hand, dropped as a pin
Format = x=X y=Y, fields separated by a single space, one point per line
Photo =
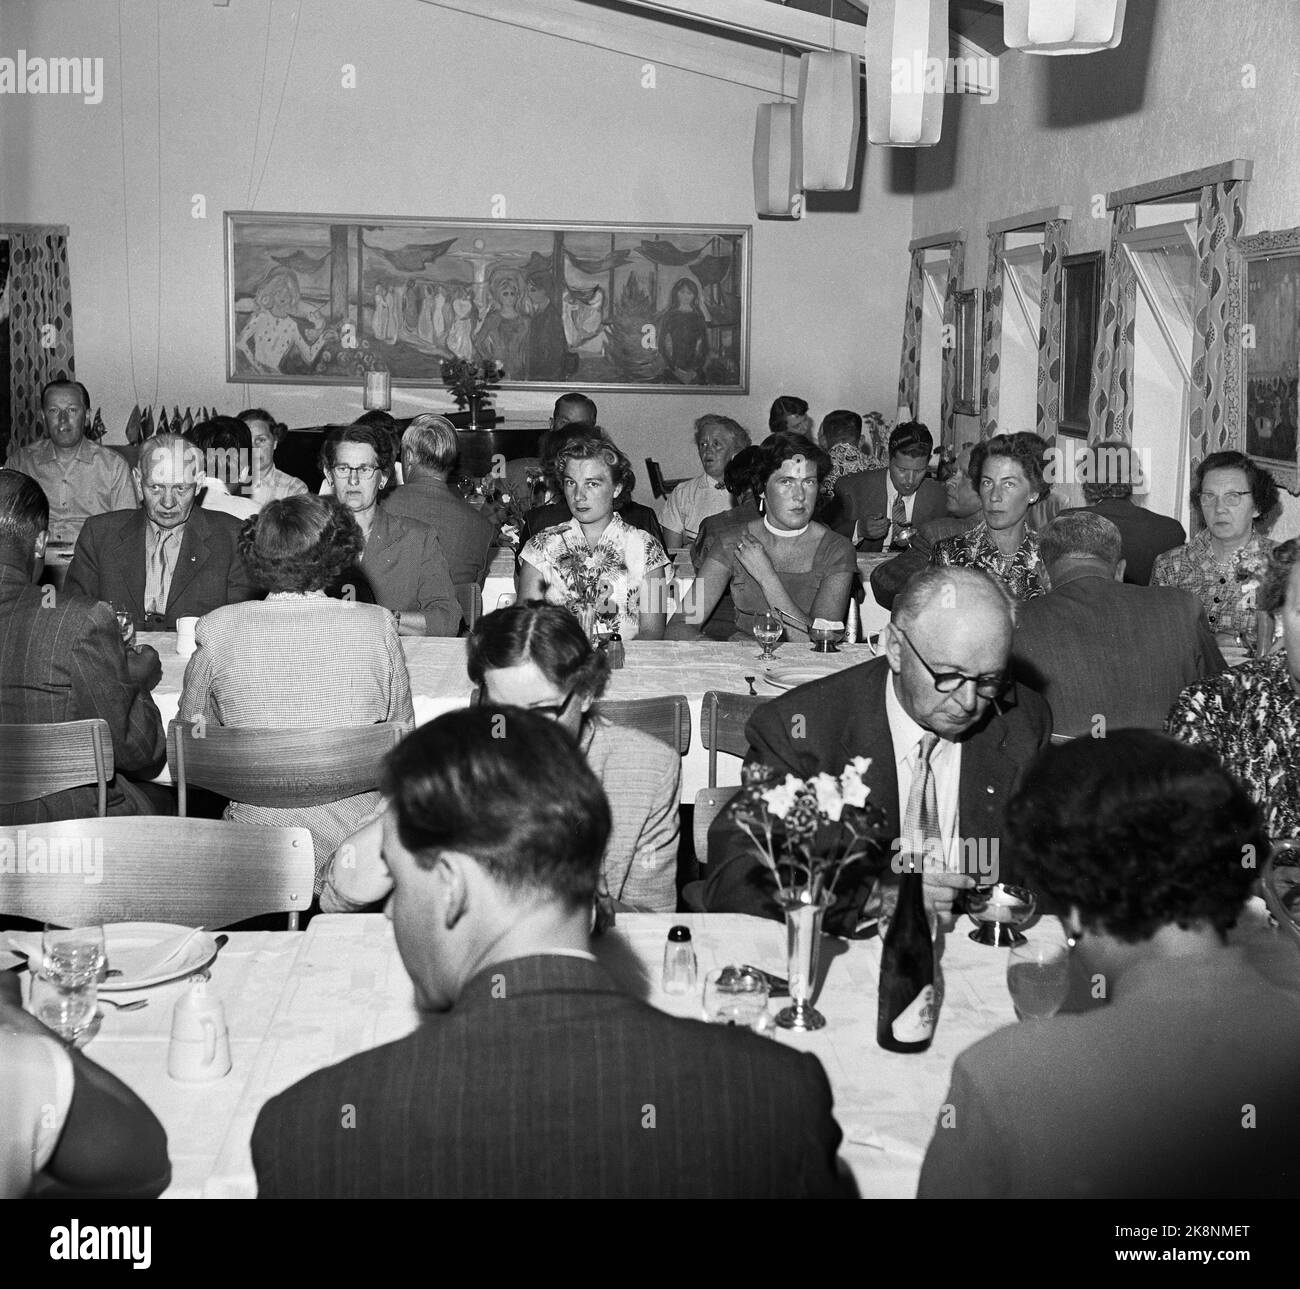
x=754 y=559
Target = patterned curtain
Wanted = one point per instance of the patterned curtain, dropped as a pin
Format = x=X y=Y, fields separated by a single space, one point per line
x=1220 y=217
x=40 y=321
x=1055 y=233
x=951 y=354
x=909 y=368
x=1110 y=395
x=992 y=347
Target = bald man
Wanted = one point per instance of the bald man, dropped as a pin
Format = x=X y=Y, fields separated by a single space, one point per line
x=939 y=689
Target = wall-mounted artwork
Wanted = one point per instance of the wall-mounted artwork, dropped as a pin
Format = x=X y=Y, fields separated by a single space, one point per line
x=323 y=299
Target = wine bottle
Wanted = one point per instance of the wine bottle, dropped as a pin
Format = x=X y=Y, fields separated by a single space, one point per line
x=905 y=1020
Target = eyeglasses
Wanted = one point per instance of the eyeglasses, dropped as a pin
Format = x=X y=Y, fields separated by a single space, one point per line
x=949 y=682
x=1230 y=499
x=554 y=711
x=360 y=471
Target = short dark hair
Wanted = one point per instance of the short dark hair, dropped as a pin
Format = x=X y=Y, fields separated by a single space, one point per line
x=278 y=428
x=841 y=426
x=911 y=439
x=1263 y=487
x=24 y=509
x=1107 y=468
x=1138 y=831
x=509 y=788
x=740 y=474
x=219 y=437
x=1281 y=560
x=1025 y=449
x=300 y=544
x=1083 y=535
x=367 y=434
x=580 y=403
x=71 y=384
x=597 y=447
x=547 y=635
x=785 y=406
x=779 y=448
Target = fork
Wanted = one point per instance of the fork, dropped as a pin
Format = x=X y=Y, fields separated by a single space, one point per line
x=749 y=680
x=133 y=1006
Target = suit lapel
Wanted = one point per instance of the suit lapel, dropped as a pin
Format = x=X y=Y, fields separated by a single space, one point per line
x=987 y=775
x=870 y=737
x=129 y=558
x=191 y=558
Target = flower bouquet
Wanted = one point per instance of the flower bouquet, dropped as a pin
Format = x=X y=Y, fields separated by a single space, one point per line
x=471 y=385
x=507 y=507
x=587 y=574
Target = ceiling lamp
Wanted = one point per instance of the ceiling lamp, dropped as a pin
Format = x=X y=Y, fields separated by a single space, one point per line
x=776 y=163
x=1062 y=26
x=907 y=63
x=829 y=119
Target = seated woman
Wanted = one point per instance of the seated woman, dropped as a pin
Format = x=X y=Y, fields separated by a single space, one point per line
x=597 y=558
x=1250 y=717
x=783 y=559
x=1007 y=471
x=538 y=656
x=1222 y=564
x=717 y=440
x=299 y=659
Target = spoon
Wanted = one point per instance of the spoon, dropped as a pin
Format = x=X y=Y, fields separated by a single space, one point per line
x=133 y=1006
x=749 y=680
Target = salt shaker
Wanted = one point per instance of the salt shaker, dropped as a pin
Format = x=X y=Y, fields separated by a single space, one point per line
x=679 y=962
x=614 y=651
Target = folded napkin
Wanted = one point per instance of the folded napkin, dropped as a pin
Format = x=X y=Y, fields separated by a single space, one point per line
x=135 y=962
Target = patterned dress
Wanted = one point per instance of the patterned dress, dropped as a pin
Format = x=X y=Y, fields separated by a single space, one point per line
x=1251 y=718
x=847 y=458
x=1021 y=573
x=577 y=574
x=1226 y=590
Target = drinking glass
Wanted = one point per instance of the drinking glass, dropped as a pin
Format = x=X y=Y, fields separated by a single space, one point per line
x=125 y=623
x=768 y=629
x=1038 y=976
x=73 y=955
x=735 y=996
x=67 y=1009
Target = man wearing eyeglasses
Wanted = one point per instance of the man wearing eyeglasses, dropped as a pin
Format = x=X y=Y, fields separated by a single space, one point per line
x=947 y=735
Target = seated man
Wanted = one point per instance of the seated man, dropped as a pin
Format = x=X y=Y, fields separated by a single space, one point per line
x=79 y=478
x=62 y=659
x=1105 y=655
x=429 y=451
x=170 y=559
x=1182 y=1082
x=403 y=566
x=876 y=505
x=227 y=446
x=492 y=850
x=941 y=683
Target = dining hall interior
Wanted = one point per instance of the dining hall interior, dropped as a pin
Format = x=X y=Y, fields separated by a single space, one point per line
x=784 y=247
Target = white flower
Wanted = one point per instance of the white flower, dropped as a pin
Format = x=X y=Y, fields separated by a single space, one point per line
x=852 y=785
x=780 y=799
x=829 y=799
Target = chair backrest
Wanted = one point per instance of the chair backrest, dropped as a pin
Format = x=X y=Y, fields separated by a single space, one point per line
x=154 y=868
x=667 y=718
x=723 y=718
x=470 y=596
x=37 y=760
x=709 y=804
x=656 y=477
x=279 y=767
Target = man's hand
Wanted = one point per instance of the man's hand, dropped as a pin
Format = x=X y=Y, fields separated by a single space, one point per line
x=940 y=891
x=144 y=667
x=874 y=528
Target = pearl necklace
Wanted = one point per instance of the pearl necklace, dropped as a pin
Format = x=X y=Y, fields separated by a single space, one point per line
x=784 y=532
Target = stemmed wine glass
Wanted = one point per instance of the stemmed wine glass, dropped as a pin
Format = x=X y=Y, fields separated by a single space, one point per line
x=768 y=629
x=1038 y=976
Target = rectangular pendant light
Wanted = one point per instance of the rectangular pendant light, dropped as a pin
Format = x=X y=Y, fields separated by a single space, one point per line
x=907 y=62
x=829 y=119
x=1062 y=26
x=777 y=193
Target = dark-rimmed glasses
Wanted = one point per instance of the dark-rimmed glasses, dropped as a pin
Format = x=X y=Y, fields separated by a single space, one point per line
x=554 y=711
x=949 y=682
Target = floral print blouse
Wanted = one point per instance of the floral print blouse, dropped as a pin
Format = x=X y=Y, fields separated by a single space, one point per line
x=1021 y=573
x=1250 y=717
x=847 y=458
x=578 y=574
x=1226 y=590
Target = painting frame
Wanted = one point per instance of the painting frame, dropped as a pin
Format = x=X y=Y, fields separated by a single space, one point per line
x=1083 y=280
x=320 y=299
x=1269 y=310
x=967 y=339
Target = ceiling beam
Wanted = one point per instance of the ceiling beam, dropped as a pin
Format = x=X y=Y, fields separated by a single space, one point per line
x=760 y=19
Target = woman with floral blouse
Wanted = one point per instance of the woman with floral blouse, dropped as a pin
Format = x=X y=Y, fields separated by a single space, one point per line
x=1007 y=471
x=1222 y=565
x=597 y=560
x=1251 y=716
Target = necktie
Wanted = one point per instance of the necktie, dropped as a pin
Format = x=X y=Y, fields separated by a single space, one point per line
x=158 y=579
x=897 y=516
x=921 y=821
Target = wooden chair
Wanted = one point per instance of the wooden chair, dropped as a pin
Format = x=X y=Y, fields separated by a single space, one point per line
x=470 y=595
x=37 y=760
x=659 y=486
x=154 y=868
x=709 y=804
x=287 y=768
x=667 y=718
x=723 y=718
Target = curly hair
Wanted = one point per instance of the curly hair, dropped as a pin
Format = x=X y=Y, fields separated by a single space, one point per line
x=779 y=448
x=1263 y=487
x=1281 y=560
x=371 y=435
x=303 y=543
x=740 y=475
x=1107 y=470
x=1025 y=449
x=739 y=435
x=596 y=447
x=548 y=635
x=1137 y=831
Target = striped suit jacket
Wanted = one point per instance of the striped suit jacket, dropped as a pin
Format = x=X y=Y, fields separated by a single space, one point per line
x=546 y=1080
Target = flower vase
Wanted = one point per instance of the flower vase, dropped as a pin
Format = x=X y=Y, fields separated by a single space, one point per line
x=803 y=926
x=475 y=407
x=587 y=616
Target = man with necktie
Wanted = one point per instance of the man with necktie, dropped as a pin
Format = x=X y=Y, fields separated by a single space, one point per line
x=169 y=559
x=940 y=722
x=877 y=508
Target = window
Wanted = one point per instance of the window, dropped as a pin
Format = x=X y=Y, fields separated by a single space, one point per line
x=1022 y=282
x=929 y=396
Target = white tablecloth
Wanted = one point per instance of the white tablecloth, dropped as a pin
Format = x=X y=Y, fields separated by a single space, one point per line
x=297 y=1002
x=439 y=681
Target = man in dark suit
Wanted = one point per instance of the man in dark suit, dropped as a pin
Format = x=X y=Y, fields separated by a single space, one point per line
x=1105 y=655
x=492 y=849
x=941 y=684
x=1108 y=472
x=876 y=504
x=429 y=450
x=171 y=559
x=62 y=659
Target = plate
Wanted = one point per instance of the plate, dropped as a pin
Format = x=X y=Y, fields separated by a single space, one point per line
x=133 y=947
x=789 y=675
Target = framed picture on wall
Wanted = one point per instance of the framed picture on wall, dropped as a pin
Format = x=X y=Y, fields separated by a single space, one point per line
x=1080 y=312
x=324 y=299
x=1270 y=351
x=967 y=338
